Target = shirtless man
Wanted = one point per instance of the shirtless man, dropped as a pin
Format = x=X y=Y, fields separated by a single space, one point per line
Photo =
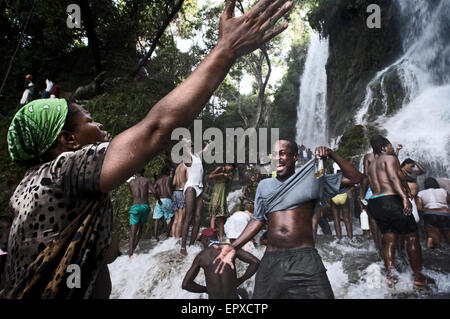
x=365 y=194
x=164 y=208
x=391 y=209
x=179 y=180
x=291 y=266
x=140 y=187
x=218 y=286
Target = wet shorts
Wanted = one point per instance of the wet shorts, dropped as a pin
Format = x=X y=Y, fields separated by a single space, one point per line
x=292 y=274
x=139 y=213
x=163 y=211
x=178 y=199
x=388 y=213
x=439 y=220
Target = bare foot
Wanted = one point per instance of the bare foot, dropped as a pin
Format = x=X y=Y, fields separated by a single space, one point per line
x=183 y=251
x=131 y=257
x=421 y=280
x=391 y=280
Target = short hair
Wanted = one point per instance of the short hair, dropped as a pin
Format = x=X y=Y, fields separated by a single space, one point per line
x=378 y=142
x=292 y=145
x=431 y=182
x=406 y=162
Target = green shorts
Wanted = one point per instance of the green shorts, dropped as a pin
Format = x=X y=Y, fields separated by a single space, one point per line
x=139 y=213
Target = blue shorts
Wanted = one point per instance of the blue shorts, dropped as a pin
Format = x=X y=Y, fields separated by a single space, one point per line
x=163 y=211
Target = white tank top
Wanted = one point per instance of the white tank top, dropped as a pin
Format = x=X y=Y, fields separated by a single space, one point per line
x=195 y=172
x=434 y=198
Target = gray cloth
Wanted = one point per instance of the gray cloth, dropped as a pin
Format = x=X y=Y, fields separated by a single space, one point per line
x=296 y=273
x=273 y=195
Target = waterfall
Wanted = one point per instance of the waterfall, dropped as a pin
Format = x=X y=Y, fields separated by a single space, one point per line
x=421 y=79
x=311 y=110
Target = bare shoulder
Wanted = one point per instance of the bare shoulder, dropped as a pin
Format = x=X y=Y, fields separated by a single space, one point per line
x=389 y=159
x=369 y=157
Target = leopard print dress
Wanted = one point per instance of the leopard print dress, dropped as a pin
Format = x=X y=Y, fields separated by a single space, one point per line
x=47 y=205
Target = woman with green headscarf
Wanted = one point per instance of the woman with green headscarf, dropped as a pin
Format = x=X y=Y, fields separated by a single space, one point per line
x=62 y=213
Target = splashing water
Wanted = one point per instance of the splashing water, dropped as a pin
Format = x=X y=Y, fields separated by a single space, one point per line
x=422 y=123
x=353 y=267
x=311 y=110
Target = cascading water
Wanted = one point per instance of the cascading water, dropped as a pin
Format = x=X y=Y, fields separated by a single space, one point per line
x=353 y=266
x=311 y=110
x=418 y=82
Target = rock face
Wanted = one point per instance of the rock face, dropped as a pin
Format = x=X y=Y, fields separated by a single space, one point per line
x=357 y=52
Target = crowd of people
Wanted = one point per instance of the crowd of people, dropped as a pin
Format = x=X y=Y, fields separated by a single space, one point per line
x=62 y=212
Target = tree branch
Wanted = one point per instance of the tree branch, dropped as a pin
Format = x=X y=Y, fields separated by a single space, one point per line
x=159 y=33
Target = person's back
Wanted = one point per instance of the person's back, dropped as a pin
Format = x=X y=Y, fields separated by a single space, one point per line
x=163 y=187
x=180 y=177
x=434 y=198
x=378 y=175
x=221 y=286
x=139 y=189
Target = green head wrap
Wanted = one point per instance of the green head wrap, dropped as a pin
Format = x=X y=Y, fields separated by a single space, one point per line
x=35 y=127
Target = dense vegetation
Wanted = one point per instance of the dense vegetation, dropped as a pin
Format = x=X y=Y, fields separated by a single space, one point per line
x=115 y=37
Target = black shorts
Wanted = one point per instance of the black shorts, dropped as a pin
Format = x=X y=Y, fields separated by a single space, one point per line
x=388 y=213
x=292 y=274
x=437 y=219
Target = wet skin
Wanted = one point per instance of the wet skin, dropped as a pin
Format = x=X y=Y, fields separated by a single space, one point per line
x=218 y=286
x=287 y=229
x=386 y=177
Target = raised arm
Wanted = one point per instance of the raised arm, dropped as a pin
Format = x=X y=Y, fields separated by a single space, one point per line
x=253 y=264
x=397 y=150
x=188 y=282
x=215 y=173
x=350 y=175
x=420 y=167
x=129 y=151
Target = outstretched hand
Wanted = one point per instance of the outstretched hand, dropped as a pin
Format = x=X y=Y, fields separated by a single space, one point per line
x=250 y=31
x=225 y=257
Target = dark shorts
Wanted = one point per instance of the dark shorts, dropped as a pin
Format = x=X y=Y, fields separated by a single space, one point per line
x=178 y=199
x=292 y=274
x=388 y=213
x=437 y=219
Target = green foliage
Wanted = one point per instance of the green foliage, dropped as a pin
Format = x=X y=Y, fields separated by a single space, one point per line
x=353 y=142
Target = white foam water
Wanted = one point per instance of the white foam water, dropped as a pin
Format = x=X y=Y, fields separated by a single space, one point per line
x=353 y=268
x=422 y=124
